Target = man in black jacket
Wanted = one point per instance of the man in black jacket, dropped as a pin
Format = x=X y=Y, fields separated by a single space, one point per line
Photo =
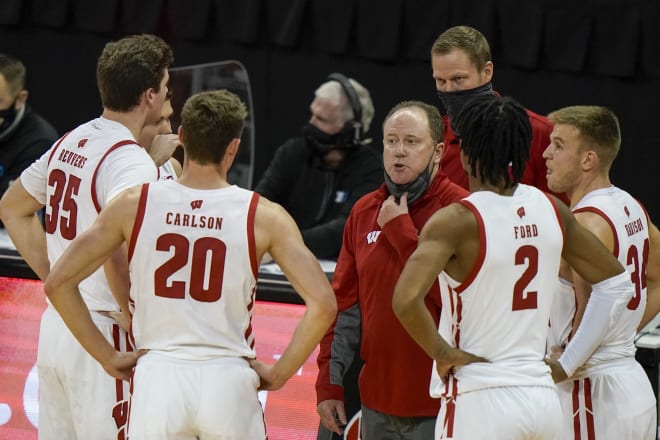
x=24 y=135
x=318 y=176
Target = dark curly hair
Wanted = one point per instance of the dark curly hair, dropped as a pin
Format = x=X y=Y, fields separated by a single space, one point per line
x=495 y=135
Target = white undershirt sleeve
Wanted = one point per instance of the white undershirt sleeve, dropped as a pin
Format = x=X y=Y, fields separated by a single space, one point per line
x=607 y=301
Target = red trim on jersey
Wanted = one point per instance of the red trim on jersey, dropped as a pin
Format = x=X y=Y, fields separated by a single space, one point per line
x=478 y=263
x=597 y=211
x=139 y=219
x=248 y=330
x=56 y=146
x=560 y=220
x=576 y=409
x=130 y=400
x=451 y=387
x=589 y=410
x=252 y=248
x=575 y=301
x=641 y=205
x=455 y=382
x=455 y=329
x=121 y=406
x=449 y=417
x=459 y=318
x=130 y=338
x=119 y=387
x=97 y=206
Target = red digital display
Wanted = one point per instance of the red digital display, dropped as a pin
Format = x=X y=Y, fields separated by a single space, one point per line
x=290 y=412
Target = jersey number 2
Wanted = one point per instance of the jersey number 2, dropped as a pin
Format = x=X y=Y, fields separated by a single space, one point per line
x=207 y=267
x=526 y=300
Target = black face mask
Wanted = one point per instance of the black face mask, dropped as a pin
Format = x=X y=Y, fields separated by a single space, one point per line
x=317 y=140
x=455 y=101
x=415 y=189
x=8 y=115
x=321 y=142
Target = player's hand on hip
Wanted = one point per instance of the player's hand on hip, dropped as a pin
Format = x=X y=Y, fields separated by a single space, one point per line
x=333 y=415
x=558 y=373
x=122 y=363
x=122 y=318
x=269 y=380
x=454 y=360
x=556 y=351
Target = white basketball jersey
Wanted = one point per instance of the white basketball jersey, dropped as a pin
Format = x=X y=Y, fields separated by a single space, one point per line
x=75 y=178
x=629 y=223
x=166 y=171
x=501 y=310
x=194 y=271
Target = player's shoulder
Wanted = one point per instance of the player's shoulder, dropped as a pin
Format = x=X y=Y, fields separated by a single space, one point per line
x=456 y=214
x=455 y=221
x=268 y=210
x=135 y=192
x=592 y=219
x=128 y=199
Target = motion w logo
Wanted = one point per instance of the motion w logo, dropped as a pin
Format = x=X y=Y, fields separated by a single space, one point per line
x=372 y=237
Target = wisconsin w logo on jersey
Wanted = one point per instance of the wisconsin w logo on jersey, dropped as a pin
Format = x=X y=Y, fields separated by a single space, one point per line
x=196 y=204
x=372 y=237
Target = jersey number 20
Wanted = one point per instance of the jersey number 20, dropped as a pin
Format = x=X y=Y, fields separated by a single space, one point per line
x=206 y=262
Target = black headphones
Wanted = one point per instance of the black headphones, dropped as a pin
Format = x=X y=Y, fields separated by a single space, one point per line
x=352 y=130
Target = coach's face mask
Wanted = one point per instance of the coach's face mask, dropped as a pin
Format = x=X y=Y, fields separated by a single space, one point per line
x=415 y=189
x=455 y=101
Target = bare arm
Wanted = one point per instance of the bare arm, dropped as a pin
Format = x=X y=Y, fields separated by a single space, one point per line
x=438 y=243
x=18 y=211
x=277 y=234
x=652 y=278
x=84 y=255
x=117 y=273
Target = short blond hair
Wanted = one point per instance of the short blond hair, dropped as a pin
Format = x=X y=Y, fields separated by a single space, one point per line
x=598 y=127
